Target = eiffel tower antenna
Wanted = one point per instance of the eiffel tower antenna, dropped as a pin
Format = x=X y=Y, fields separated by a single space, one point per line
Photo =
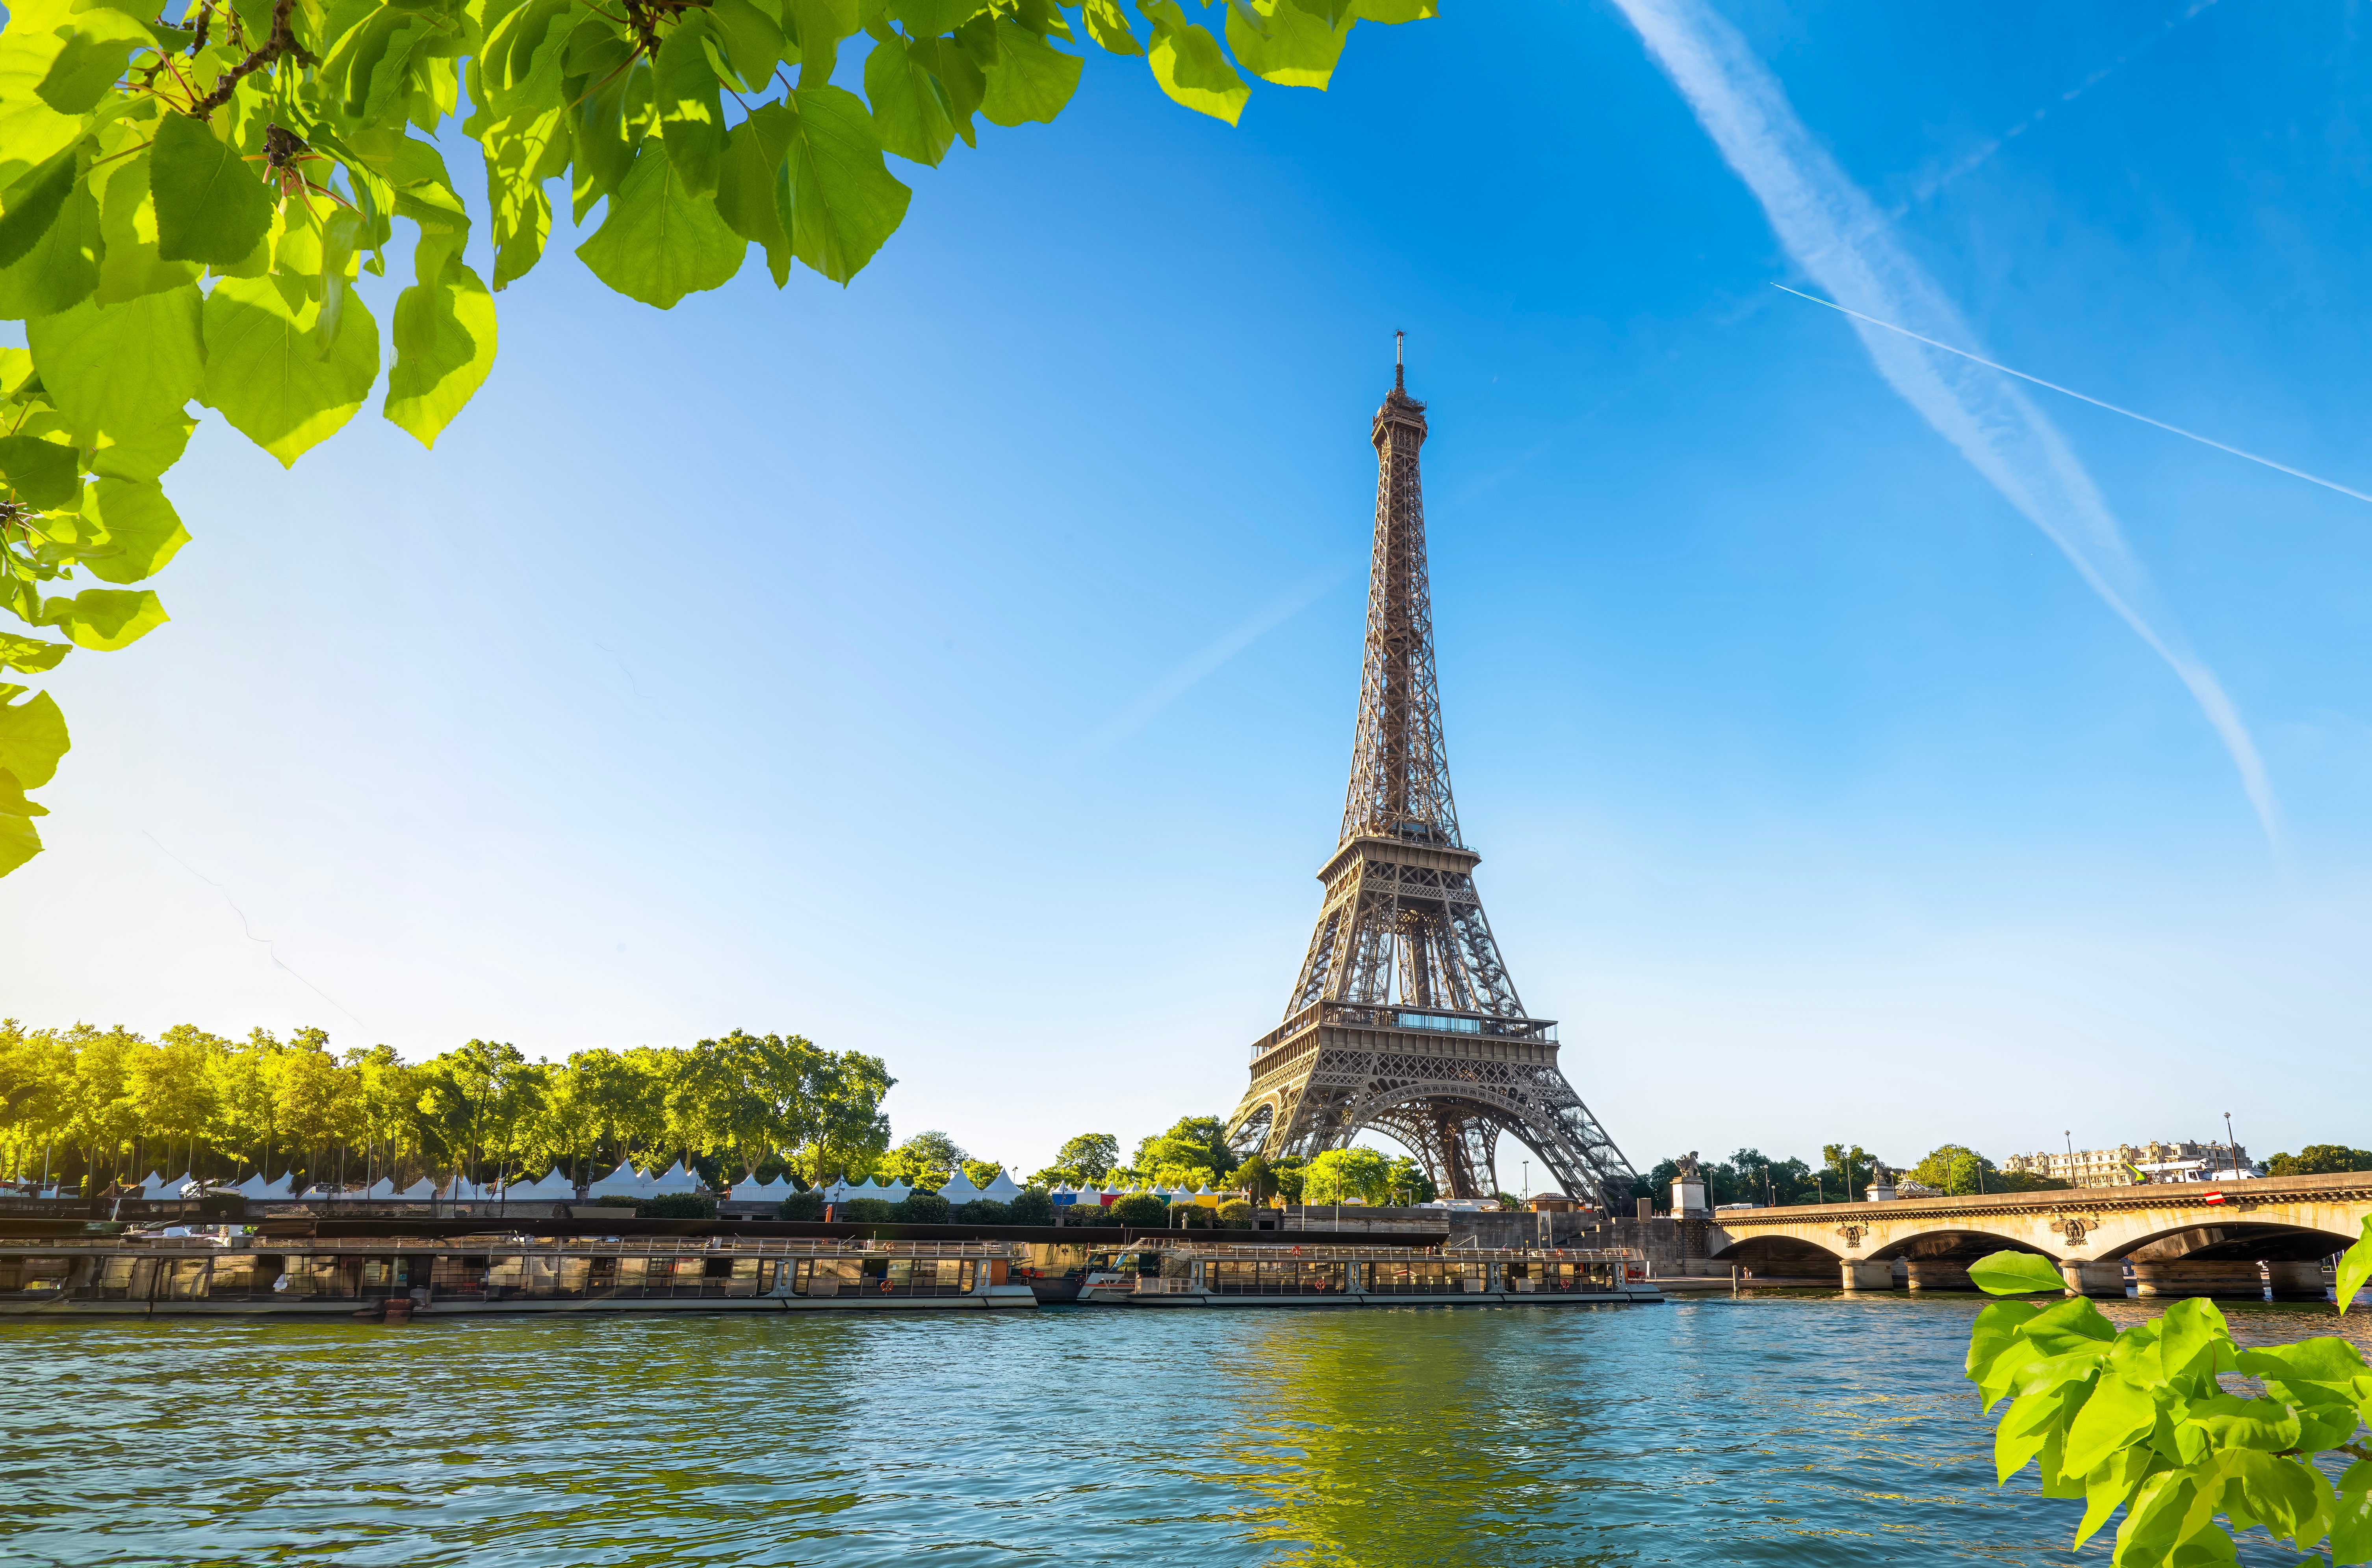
x=1404 y=1020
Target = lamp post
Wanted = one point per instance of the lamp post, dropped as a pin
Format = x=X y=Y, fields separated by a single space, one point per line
x=2230 y=1147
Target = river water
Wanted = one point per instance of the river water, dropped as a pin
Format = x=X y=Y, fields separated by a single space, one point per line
x=1788 y=1428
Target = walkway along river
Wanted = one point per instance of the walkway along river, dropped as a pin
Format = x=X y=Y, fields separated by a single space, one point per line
x=1784 y=1428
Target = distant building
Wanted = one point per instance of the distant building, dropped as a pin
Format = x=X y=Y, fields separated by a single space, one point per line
x=2181 y=1161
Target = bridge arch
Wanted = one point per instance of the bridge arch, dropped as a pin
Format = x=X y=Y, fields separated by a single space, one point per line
x=2255 y=1240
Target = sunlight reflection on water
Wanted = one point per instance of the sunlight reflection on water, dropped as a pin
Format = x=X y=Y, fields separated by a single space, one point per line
x=1796 y=1429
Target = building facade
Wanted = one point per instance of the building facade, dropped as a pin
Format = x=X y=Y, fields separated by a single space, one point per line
x=2160 y=1161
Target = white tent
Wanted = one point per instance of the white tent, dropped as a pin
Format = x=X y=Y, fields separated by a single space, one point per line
x=894 y=1192
x=256 y=1186
x=420 y=1191
x=1063 y=1194
x=1001 y=1190
x=753 y=1186
x=164 y=1185
x=382 y=1189
x=675 y=1179
x=554 y=1187
x=960 y=1189
x=840 y=1193
x=624 y=1181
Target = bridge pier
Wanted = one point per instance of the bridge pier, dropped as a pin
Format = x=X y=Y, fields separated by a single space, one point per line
x=1937 y=1274
x=2298 y=1281
x=2231 y=1278
x=1862 y=1275
x=2094 y=1279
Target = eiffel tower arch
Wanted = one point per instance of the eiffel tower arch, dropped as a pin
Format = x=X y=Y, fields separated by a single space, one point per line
x=1404 y=1020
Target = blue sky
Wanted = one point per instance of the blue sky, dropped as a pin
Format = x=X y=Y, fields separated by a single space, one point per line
x=961 y=667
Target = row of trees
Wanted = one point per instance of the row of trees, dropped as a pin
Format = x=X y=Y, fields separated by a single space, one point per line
x=1194 y=1153
x=92 y=1106
x=1844 y=1173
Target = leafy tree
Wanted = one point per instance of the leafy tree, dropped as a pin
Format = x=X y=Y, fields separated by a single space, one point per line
x=1409 y=1184
x=865 y=1210
x=1032 y=1207
x=1338 y=1176
x=2321 y=1159
x=1140 y=1209
x=983 y=1211
x=1089 y=1157
x=191 y=202
x=1955 y=1169
x=1286 y=1176
x=807 y=1206
x=921 y=1208
x=1255 y=1180
x=1194 y=1153
x=1235 y=1215
x=980 y=1173
x=677 y=1206
x=927 y=1160
x=1847 y=1168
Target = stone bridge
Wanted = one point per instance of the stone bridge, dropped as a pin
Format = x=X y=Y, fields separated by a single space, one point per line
x=2181 y=1239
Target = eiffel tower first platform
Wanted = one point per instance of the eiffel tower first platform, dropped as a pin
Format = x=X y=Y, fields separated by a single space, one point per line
x=1404 y=1020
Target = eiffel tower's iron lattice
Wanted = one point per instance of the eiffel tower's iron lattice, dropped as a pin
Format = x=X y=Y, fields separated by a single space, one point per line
x=1404 y=1020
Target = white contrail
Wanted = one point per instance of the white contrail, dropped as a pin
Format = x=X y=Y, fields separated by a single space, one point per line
x=2080 y=397
x=1837 y=236
x=1138 y=712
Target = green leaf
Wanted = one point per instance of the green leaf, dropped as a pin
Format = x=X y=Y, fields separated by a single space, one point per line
x=106 y=619
x=607 y=137
x=1031 y=78
x=31 y=131
x=32 y=738
x=136 y=521
x=2027 y=1424
x=844 y=201
x=753 y=40
x=754 y=194
x=658 y=242
x=1390 y=12
x=2282 y=1494
x=2192 y=1332
x=909 y=107
x=1189 y=64
x=32 y=204
x=44 y=474
x=130 y=266
x=124 y=371
x=2355 y=1266
x=19 y=842
x=928 y=18
x=262 y=375
x=31 y=655
x=210 y=206
x=13 y=802
x=1278 y=42
x=443 y=347
x=2117 y=1415
x=2231 y=1422
x=1997 y=1325
x=1108 y=25
x=2351 y=1521
x=692 y=117
x=99 y=44
x=2016 y=1273
x=2109 y=1488
x=60 y=267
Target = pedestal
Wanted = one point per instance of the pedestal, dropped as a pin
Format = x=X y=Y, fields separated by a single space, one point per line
x=1862 y=1275
x=2094 y=1279
x=2231 y=1279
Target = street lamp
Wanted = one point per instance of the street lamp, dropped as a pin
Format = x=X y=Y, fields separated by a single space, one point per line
x=2231 y=1147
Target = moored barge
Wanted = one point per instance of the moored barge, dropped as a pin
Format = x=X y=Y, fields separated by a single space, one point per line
x=235 y=1274
x=1210 y=1274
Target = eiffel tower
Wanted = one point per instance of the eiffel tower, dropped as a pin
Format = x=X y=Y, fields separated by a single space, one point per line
x=1404 y=1020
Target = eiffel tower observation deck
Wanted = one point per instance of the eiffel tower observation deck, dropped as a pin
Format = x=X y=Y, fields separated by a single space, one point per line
x=1405 y=1018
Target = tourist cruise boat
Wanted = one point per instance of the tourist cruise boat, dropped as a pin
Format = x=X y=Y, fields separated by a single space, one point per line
x=1248 y=1273
x=230 y=1271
